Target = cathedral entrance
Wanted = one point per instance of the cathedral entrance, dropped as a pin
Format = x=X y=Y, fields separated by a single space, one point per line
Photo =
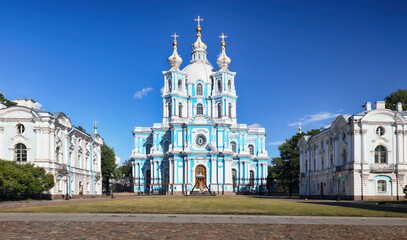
x=200 y=177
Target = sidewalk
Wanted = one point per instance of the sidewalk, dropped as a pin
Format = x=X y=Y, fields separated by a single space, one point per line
x=192 y=218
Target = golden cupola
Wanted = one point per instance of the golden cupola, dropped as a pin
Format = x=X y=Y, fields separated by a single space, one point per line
x=175 y=60
x=223 y=60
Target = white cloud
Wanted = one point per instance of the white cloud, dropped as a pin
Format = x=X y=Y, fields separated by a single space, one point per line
x=37 y=105
x=254 y=125
x=162 y=90
x=275 y=143
x=314 y=118
x=142 y=93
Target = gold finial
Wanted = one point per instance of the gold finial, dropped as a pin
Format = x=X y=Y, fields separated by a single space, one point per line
x=95 y=127
x=198 y=28
x=299 y=128
x=223 y=44
x=175 y=38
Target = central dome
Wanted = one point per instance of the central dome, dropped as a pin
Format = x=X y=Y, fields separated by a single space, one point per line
x=199 y=71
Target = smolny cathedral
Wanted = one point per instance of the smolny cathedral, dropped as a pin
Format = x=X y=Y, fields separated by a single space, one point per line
x=199 y=145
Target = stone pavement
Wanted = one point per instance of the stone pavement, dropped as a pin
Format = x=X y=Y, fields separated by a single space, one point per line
x=174 y=226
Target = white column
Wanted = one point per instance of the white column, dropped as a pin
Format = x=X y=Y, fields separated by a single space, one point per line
x=399 y=149
x=214 y=165
x=46 y=143
x=52 y=145
x=170 y=162
x=38 y=143
x=405 y=147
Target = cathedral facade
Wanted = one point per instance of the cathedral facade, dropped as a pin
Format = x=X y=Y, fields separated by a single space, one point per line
x=199 y=139
x=49 y=140
x=361 y=156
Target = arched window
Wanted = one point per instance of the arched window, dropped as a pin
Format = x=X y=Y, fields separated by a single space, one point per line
x=344 y=157
x=315 y=163
x=20 y=151
x=380 y=154
x=199 y=108
x=381 y=186
x=251 y=180
x=251 y=149
x=180 y=85
x=230 y=110
x=20 y=128
x=219 y=110
x=169 y=109
x=169 y=85
x=166 y=146
x=148 y=148
x=306 y=165
x=199 y=89
x=219 y=86
x=229 y=86
x=380 y=131
x=233 y=146
x=148 y=180
x=180 y=109
x=57 y=154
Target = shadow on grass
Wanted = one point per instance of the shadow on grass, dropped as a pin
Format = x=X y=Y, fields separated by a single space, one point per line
x=362 y=205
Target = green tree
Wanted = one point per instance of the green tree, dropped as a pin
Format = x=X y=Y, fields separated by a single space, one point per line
x=286 y=168
x=80 y=128
x=6 y=101
x=108 y=165
x=127 y=178
x=23 y=180
x=398 y=96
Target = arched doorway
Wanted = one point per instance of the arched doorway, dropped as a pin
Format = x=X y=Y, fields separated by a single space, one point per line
x=200 y=176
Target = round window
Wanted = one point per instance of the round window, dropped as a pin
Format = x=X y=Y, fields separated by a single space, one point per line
x=20 y=128
x=200 y=140
x=380 y=131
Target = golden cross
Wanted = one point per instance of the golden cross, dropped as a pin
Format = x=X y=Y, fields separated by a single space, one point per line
x=223 y=37
x=175 y=36
x=95 y=122
x=198 y=20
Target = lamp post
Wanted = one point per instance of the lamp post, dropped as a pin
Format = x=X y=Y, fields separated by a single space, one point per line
x=339 y=189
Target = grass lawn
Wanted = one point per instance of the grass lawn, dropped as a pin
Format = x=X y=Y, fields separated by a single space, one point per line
x=206 y=205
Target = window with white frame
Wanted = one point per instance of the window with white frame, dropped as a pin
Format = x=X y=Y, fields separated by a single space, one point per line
x=381 y=186
x=199 y=108
x=199 y=89
x=230 y=86
x=322 y=162
x=219 y=86
x=20 y=153
x=251 y=149
x=20 y=128
x=344 y=157
x=180 y=85
x=251 y=180
x=380 y=131
x=230 y=110
x=169 y=85
x=219 y=110
x=380 y=154
x=180 y=109
x=233 y=146
x=169 y=109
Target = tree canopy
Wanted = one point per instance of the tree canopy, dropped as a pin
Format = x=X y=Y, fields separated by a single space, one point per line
x=398 y=96
x=23 y=180
x=6 y=101
x=108 y=165
x=286 y=168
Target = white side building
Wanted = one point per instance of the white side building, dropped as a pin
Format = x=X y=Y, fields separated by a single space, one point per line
x=363 y=156
x=49 y=140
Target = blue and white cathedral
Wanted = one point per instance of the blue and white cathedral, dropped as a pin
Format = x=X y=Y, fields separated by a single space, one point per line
x=199 y=139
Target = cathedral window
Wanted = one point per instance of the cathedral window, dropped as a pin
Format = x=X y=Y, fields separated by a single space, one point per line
x=20 y=151
x=148 y=148
x=234 y=179
x=251 y=180
x=57 y=154
x=166 y=146
x=169 y=109
x=251 y=149
x=381 y=186
x=219 y=110
x=169 y=85
x=180 y=85
x=233 y=146
x=199 y=89
x=219 y=86
x=332 y=160
x=306 y=165
x=199 y=108
x=230 y=110
x=344 y=157
x=180 y=109
x=315 y=163
x=229 y=86
x=380 y=154
x=20 y=128
x=380 y=131
x=322 y=162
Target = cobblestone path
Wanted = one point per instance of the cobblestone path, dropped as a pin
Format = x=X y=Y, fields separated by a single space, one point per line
x=126 y=230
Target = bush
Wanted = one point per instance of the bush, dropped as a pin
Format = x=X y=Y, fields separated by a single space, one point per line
x=19 y=181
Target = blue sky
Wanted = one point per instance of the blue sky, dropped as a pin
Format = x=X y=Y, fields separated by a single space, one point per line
x=296 y=61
